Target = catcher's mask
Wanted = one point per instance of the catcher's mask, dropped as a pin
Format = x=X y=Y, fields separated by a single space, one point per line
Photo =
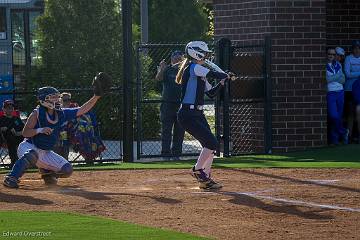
x=49 y=97
x=198 y=50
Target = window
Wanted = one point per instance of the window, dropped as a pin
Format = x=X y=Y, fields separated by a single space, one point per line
x=2 y=23
x=18 y=37
x=33 y=38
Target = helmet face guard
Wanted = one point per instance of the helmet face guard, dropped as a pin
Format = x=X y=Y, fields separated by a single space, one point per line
x=49 y=97
x=52 y=101
x=197 y=50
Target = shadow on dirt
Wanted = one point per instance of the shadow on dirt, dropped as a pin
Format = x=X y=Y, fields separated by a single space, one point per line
x=253 y=202
x=12 y=198
x=91 y=195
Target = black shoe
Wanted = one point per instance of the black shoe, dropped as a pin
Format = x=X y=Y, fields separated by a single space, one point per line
x=210 y=185
x=49 y=177
x=11 y=182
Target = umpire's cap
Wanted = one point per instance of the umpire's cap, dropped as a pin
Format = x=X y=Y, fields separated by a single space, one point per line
x=176 y=53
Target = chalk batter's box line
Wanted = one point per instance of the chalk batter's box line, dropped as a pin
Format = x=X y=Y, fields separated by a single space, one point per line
x=258 y=195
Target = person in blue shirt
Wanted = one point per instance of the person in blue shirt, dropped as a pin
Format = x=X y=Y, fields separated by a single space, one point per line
x=335 y=99
x=193 y=79
x=41 y=133
x=352 y=94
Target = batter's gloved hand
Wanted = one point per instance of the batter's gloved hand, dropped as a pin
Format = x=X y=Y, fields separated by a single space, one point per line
x=101 y=83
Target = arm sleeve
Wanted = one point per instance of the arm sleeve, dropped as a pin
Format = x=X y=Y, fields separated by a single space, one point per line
x=201 y=71
x=333 y=77
x=211 y=93
x=216 y=75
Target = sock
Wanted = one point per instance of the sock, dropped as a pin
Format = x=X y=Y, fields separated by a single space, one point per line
x=208 y=163
x=204 y=156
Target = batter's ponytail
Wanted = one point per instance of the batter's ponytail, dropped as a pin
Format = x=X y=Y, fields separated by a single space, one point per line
x=180 y=73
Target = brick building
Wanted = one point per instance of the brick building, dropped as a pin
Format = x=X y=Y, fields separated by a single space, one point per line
x=300 y=31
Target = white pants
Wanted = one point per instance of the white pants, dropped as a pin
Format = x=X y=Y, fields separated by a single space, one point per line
x=47 y=159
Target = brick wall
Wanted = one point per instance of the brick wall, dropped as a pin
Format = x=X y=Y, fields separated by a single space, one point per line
x=342 y=22
x=244 y=22
x=298 y=31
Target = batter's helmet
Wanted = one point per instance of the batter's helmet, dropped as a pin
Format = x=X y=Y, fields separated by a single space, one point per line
x=197 y=50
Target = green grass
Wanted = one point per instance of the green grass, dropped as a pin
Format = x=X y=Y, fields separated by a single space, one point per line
x=339 y=157
x=58 y=225
x=336 y=157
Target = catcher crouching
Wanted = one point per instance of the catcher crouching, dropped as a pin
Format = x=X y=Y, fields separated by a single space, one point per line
x=42 y=130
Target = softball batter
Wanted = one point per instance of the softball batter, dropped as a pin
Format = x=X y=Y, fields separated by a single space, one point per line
x=193 y=78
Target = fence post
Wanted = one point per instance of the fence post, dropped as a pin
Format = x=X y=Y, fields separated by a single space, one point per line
x=138 y=101
x=268 y=96
x=128 y=128
x=223 y=60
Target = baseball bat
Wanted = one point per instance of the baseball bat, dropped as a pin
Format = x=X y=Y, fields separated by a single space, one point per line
x=216 y=68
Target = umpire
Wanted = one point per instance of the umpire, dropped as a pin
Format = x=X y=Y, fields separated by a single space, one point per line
x=171 y=95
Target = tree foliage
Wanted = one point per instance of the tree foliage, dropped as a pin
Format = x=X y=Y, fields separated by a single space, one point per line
x=77 y=39
x=176 y=21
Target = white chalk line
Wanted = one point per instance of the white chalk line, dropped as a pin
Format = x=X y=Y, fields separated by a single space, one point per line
x=303 y=203
x=323 y=181
x=283 y=200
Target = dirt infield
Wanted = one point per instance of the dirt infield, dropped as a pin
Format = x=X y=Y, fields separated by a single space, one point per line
x=254 y=203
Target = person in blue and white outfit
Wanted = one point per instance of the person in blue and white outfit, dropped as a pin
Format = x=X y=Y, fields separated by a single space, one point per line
x=352 y=86
x=335 y=98
x=193 y=78
x=41 y=133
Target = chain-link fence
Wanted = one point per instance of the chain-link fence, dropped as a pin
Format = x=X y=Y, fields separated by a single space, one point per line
x=149 y=120
x=98 y=136
x=247 y=100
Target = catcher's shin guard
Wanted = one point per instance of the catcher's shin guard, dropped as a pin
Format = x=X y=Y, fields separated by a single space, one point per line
x=12 y=179
x=65 y=171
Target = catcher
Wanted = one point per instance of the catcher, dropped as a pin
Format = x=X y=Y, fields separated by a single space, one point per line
x=41 y=132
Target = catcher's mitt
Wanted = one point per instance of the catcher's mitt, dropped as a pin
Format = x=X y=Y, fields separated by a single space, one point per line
x=101 y=83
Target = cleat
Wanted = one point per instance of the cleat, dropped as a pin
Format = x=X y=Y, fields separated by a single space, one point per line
x=210 y=185
x=49 y=177
x=11 y=182
x=199 y=174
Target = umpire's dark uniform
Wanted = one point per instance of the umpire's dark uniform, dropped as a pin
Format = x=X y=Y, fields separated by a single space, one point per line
x=171 y=95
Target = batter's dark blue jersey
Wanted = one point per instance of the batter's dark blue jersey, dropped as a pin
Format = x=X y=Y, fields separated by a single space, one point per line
x=195 y=84
x=193 y=87
x=55 y=122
